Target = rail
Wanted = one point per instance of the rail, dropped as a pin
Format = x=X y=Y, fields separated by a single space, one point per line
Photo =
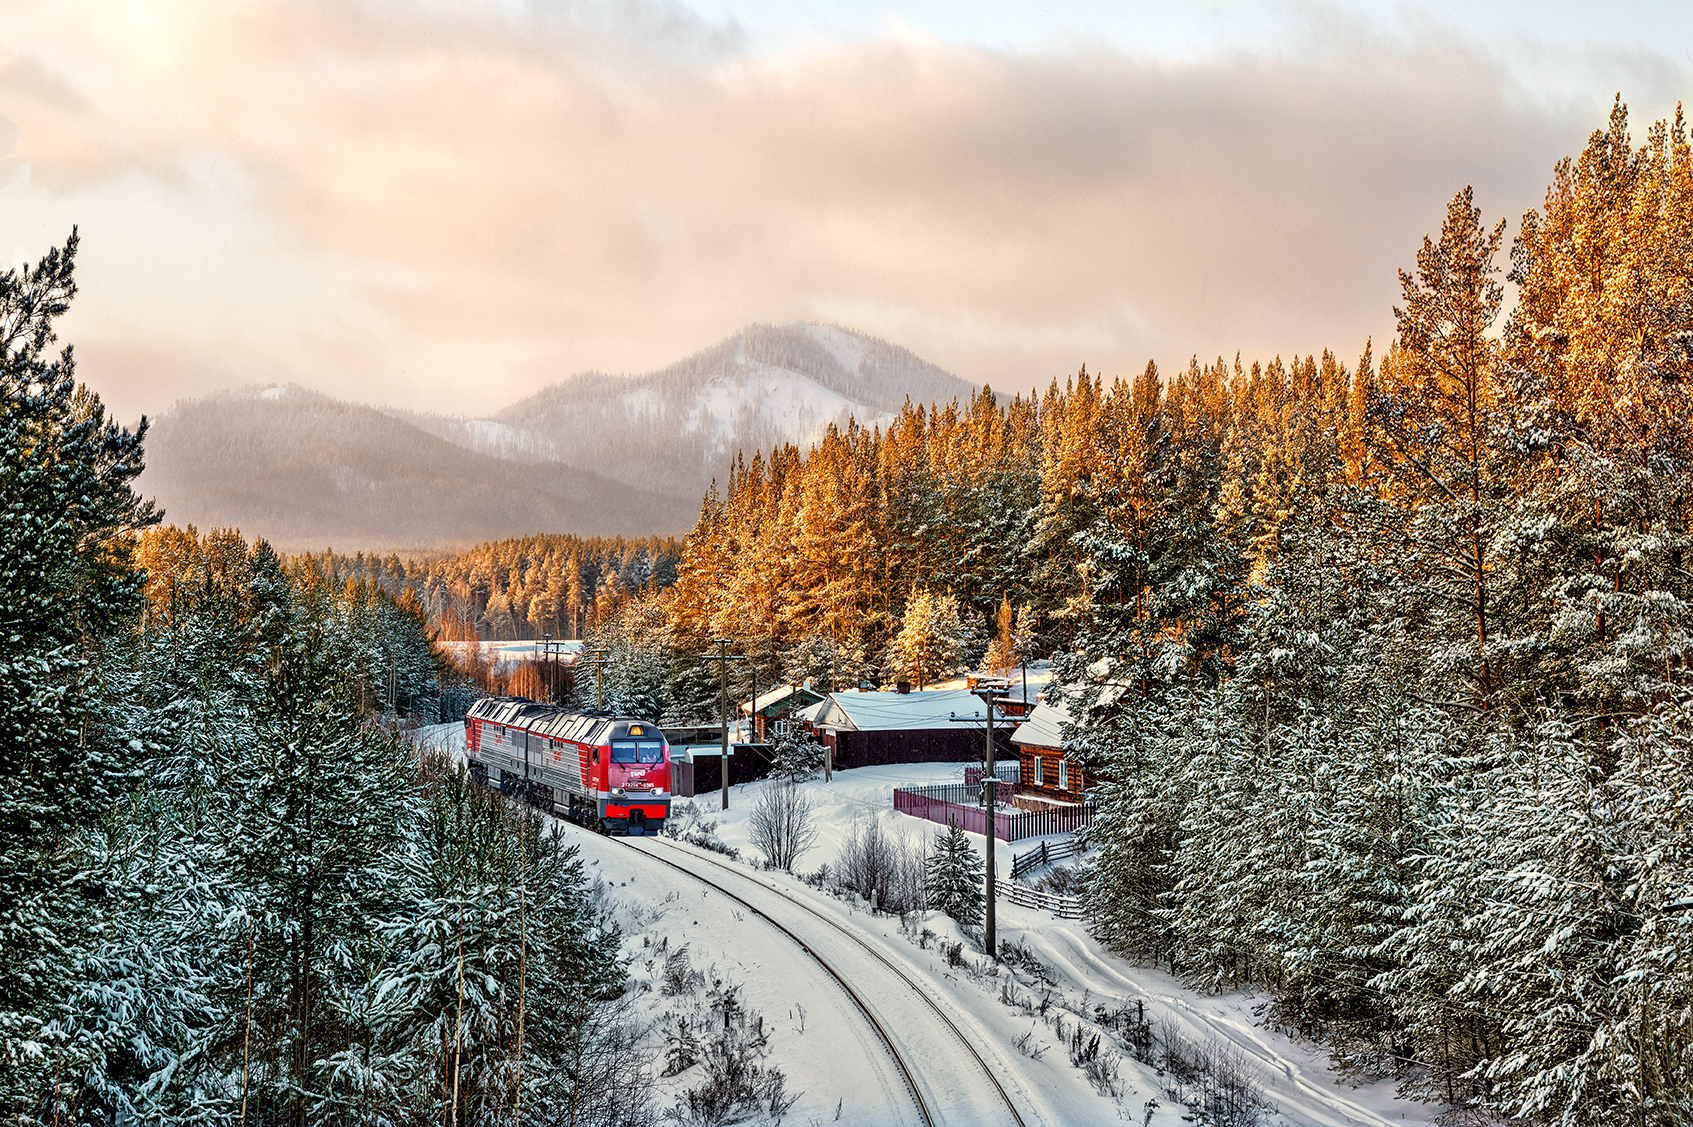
x=872 y=952
x=863 y=1006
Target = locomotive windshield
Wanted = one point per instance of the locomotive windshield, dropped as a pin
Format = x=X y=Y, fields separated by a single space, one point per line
x=637 y=751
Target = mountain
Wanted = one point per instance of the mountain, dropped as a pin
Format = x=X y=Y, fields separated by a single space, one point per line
x=675 y=429
x=592 y=454
x=307 y=471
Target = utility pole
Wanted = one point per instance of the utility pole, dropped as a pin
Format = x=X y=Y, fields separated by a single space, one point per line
x=599 y=687
x=991 y=782
x=724 y=657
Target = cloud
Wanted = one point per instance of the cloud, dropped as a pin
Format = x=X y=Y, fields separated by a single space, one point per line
x=450 y=205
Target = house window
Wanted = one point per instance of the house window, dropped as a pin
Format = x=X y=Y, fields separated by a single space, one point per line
x=1063 y=774
x=1040 y=774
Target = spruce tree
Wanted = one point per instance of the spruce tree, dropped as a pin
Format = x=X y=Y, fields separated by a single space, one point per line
x=68 y=584
x=954 y=877
x=795 y=755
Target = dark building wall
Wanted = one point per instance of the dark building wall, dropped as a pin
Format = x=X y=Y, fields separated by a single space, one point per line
x=873 y=749
x=749 y=762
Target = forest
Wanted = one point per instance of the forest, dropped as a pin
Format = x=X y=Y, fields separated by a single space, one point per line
x=1385 y=661
x=232 y=888
x=1381 y=659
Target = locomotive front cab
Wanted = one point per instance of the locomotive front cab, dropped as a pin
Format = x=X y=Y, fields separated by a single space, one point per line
x=637 y=778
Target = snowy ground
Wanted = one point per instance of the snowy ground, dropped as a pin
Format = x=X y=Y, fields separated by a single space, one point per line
x=506 y=654
x=837 y=1062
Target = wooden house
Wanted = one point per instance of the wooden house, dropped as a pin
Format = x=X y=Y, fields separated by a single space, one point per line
x=1045 y=773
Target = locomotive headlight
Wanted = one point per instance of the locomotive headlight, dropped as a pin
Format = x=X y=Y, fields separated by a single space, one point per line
x=616 y=790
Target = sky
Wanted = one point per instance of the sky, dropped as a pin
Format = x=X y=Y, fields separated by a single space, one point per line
x=449 y=204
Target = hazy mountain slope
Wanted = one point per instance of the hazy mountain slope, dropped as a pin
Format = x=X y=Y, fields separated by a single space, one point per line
x=307 y=471
x=593 y=454
x=674 y=429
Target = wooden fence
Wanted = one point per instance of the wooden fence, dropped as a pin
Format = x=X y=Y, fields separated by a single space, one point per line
x=1043 y=855
x=1064 y=907
x=948 y=806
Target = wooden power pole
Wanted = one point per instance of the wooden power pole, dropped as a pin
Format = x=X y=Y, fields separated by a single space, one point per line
x=724 y=657
x=991 y=782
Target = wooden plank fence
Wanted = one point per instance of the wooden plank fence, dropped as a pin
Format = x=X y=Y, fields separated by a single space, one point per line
x=1043 y=855
x=957 y=805
x=1064 y=907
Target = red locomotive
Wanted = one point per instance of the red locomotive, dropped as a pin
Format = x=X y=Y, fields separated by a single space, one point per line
x=608 y=772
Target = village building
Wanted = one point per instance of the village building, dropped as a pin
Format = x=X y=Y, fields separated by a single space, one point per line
x=771 y=712
x=932 y=726
x=1047 y=778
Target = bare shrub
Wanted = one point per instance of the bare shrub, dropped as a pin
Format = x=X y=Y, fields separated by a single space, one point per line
x=781 y=824
x=883 y=868
x=729 y=1045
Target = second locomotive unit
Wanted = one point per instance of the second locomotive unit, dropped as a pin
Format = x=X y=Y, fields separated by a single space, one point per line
x=611 y=773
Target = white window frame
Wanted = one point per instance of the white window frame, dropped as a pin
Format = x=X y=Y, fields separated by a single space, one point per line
x=1063 y=774
x=1040 y=770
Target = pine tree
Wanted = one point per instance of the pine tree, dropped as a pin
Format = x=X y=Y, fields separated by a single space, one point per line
x=954 y=877
x=933 y=642
x=1438 y=415
x=68 y=584
x=795 y=755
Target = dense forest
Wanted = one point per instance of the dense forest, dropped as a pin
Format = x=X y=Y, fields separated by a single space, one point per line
x=1382 y=659
x=232 y=889
x=514 y=590
x=1385 y=661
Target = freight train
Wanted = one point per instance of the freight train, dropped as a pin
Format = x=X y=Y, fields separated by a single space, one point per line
x=610 y=773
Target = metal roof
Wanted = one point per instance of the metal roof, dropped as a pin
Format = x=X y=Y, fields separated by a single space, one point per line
x=903 y=712
x=1041 y=729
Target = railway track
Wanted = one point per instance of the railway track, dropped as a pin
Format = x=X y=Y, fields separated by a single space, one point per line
x=875 y=1022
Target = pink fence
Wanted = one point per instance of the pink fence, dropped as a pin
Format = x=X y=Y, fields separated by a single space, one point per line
x=1008 y=825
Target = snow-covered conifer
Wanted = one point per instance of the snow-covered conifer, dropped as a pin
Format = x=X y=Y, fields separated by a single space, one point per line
x=954 y=877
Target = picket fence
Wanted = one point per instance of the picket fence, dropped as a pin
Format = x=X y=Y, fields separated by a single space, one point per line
x=947 y=805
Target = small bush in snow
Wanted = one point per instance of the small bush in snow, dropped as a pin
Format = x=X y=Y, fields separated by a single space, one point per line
x=882 y=868
x=1025 y=1045
x=781 y=824
x=729 y=1044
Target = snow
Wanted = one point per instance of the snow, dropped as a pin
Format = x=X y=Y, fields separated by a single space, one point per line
x=508 y=653
x=846 y=1063
x=503 y=441
x=847 y=350
x=1041 y=729
x=1037 y=675
x=931 y=708
x=779 y=400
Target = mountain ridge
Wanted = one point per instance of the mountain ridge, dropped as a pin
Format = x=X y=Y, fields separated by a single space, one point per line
x=593 y=453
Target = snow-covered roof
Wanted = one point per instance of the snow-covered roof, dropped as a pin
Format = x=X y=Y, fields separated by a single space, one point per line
x=1041 y=728
x=902 y=712
x=780 y=693
x=811 y=712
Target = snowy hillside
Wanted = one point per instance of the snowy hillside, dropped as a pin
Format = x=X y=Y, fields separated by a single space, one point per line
x=676 y=428
x=592 y=454
x=305 y=471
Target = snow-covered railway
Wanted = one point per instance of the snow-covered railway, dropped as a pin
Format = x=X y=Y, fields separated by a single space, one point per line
x=864 y=1007
x=954 y=1095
